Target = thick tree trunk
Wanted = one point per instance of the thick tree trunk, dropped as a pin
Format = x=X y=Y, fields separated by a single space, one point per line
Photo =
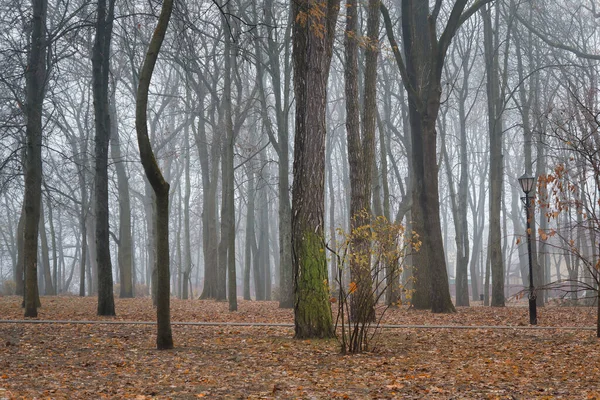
x=361 y=152
x=35 y=78
x=431 y=277
x=421 y=71
x=313 y=33
x=100 y=71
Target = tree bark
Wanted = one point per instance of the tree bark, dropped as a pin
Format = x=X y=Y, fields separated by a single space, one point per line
x=187 y=245
x=421 y=72
x=250 y=235
x=100 y=72
x=164 y=337
x=263 y=235
x=496 y=160
x=48 y=287
x=35 y=78
x=209 y=199
x=361 y=151
x=55 y=267
x=228 y=214
x=313 y=33
x=125 y=246
x=19 y=270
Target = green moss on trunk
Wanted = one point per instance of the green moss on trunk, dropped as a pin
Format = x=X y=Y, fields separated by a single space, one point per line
x=312 y=307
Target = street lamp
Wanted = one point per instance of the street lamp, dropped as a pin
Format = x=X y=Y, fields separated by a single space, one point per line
x=527 y=183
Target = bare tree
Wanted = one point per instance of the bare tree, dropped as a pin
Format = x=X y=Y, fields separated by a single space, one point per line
x=35 y=77
x=421 y=72
x=164 y=337
x=100 y=71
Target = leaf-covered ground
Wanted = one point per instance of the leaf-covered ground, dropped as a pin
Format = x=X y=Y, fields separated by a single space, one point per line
x=88 y=361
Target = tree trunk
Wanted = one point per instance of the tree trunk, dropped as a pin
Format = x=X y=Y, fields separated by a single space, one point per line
x=187 y=245
x=48 y=288
x=227 y=245
x=496 y=161
x=19 y=270
x=477 y=202
x=35 y=79
x=313 y=33
x=55 y=267
x=100 y=76
x=125 y=245
x=263 y=241
x=361 y=152
x=250 y=234
x=421 y=72
x=461 y=222
x=164 y=337
x=333 y=268
x=209 y=200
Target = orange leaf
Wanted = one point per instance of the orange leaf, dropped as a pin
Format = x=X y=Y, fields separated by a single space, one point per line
x=352 y=287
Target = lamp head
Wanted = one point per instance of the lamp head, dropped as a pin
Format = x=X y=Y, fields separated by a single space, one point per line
x=527 y=182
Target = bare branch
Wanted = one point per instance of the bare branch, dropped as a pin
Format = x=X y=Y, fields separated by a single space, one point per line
x=555 y=44
x=389 y=28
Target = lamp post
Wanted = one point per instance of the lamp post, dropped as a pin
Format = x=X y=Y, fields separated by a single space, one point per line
x=527 y=183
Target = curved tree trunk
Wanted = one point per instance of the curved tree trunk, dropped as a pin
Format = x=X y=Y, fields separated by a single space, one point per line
x=164 y=337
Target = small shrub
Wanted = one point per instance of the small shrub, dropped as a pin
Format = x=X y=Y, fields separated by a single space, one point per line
x=388 y=245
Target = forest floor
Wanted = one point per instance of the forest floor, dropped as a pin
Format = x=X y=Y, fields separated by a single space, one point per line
x=92 y=361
